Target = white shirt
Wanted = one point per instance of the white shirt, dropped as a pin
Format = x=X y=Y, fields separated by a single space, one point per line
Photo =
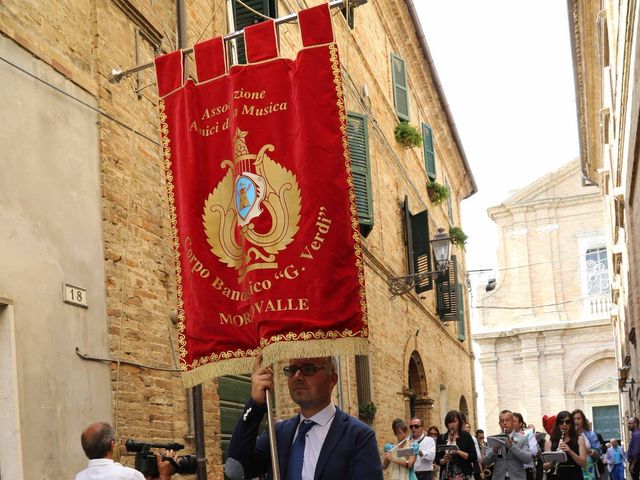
x=315 y=439
x=107 y=469
x=424 y=463
x=533 y=447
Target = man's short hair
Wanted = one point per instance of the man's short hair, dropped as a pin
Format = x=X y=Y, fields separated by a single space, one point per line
x=634 y=419
x=479 y=431
x=418 y=418
x=506 y=411
x=96 y=440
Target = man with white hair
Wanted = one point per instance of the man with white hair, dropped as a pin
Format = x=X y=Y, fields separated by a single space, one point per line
x=615 y=458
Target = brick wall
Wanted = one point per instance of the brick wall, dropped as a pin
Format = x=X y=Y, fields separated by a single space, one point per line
x=84 y=40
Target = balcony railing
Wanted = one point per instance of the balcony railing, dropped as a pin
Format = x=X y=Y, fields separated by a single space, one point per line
x=597 y=306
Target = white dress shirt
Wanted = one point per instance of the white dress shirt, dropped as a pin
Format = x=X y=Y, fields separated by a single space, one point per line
x=424 y=463
x=107 y=469
x=315 y=439
x=533 y=447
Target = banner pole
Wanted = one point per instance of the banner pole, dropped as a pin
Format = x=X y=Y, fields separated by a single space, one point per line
x=198 y=420
x=271 y=423
x=117 y=74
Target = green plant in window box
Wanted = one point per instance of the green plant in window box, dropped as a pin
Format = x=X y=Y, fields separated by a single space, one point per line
x=458 y=237
x=407 y=135
x=438 y=193
x=367 y=412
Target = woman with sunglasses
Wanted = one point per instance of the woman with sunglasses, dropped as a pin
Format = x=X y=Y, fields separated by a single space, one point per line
x=565 y=438
x=591 y=442
x=455 y=463
x=401 y=465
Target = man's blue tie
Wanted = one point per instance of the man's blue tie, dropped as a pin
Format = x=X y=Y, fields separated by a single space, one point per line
x=296 y=456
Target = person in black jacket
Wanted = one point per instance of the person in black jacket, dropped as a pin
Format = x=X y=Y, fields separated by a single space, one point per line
x=455 y=463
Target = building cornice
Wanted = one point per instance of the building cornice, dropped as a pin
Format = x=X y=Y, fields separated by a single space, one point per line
x=556 y=326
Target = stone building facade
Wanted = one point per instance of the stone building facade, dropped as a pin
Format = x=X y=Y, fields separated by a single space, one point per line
x=546 y=342
x=606 y=38
x=88 y=286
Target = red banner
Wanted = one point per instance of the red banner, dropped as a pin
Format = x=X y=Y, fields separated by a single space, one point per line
x=262 y=203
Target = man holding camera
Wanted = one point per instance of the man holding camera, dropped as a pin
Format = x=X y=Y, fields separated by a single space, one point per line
x=321 y=443
x=98 y=441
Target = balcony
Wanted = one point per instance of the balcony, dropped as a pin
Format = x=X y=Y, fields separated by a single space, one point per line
x=597 y=307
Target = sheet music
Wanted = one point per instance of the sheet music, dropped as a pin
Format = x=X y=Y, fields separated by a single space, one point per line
x=497 y=441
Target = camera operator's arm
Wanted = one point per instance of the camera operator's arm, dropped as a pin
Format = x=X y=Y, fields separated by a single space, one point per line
x=165 y=469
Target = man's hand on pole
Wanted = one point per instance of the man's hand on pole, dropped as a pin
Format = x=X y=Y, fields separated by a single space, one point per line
x=261 y=380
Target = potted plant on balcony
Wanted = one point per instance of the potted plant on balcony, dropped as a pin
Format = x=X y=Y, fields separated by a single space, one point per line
x=438 y=193
x=458 y=237
x=367 y=412
x=407 y=135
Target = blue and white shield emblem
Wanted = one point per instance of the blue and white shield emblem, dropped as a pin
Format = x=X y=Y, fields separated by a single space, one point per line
x=248 y=195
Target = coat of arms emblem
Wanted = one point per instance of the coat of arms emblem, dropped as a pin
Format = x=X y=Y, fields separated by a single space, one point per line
x=254 y=211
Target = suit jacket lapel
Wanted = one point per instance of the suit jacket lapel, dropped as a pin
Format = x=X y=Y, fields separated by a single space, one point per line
x=336 y=431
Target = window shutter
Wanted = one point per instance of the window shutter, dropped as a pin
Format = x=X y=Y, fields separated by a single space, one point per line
x=359 y=152
x=421 y=254
x=363 y=379
x=429 y=154
x=400 y=87
x=244 y=17
x=462 y=333
x=233 y=391
x=446 y=298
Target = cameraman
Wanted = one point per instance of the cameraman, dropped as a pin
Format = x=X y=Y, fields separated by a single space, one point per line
x=98 y=441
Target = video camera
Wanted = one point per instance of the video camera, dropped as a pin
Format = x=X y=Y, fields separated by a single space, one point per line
x=147 y=463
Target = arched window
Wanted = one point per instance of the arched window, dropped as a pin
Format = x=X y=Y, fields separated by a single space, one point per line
x=464 y=408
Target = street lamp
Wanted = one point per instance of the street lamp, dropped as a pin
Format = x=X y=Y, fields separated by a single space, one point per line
x=441 y=247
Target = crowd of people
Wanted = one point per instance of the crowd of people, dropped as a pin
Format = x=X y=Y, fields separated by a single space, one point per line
x=571 y=451
x=322 y=442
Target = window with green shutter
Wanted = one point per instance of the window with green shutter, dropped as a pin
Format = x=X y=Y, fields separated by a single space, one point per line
x=419 y=248
x=357 y=133
x=243 y=17
x=429 y=152
x=449 y=294
x=400 y=87
x=462 y=333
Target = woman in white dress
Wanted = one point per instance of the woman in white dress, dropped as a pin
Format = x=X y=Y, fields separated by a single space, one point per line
x=400 y=466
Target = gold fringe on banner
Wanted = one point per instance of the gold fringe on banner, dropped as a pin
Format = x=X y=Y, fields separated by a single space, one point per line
x=276 y=352
x=315 y=348
x=230 y=366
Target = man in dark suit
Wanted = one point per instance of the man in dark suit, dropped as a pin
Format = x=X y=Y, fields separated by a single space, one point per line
x=321 y=443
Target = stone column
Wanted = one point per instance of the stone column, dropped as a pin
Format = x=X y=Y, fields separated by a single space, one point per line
x=531 y=391
x=555 y=382
x=489 y=363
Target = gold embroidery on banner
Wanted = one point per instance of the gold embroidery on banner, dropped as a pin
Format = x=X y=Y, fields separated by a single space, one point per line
x=254 y=186
x=166 y=153
x=337 y=80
